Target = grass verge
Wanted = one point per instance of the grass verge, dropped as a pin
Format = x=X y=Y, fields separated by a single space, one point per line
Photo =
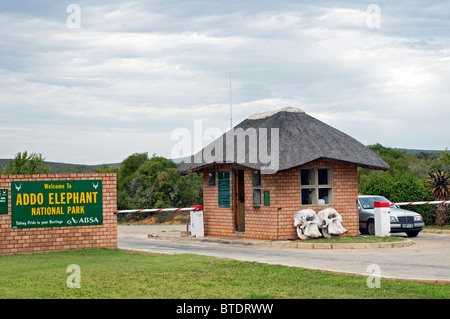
x=113 y=273
x=445 y=227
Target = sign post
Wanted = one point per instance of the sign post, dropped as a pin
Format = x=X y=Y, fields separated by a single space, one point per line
x=37 y=204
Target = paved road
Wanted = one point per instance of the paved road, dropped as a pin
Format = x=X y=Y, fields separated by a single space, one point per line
x=427 y=259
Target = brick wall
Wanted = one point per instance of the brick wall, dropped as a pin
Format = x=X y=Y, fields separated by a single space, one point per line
x=217 y=221
x=266 y=222
x=29 y=240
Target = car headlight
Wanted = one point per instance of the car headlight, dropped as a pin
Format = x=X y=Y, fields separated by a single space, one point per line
x=418 y=218
x=393 y=219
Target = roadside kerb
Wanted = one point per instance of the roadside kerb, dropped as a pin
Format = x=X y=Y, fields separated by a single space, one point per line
x=283 y=243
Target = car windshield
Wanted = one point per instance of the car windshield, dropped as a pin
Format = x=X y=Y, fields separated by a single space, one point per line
x=367 y=202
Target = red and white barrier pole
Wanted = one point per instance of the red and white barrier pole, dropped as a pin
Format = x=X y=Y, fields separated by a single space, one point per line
x=196 y=216
x=149 y=210
x=421 y=203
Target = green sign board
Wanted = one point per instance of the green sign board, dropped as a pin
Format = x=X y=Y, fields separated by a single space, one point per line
x=3 y=201
x=266 y=198
x=56 y=203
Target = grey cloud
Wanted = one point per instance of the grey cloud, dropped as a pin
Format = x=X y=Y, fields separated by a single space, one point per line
x=144 y=68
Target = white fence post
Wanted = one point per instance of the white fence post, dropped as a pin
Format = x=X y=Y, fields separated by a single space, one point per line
x=197 y=229
x=382 y=219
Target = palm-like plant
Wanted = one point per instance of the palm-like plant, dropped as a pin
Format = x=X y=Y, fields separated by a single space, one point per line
x=439 y=184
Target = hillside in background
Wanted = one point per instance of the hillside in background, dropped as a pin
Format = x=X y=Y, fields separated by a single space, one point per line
x=63 y=168
x=414 y=151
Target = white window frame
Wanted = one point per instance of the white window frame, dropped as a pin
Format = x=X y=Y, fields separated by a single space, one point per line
x=315 y=187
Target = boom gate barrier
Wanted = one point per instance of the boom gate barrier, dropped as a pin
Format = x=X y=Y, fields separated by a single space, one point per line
x=436 y=202
x=196 y=216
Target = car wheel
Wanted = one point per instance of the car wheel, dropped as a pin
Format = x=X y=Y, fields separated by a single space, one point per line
x=413 y=233
x=370 y=227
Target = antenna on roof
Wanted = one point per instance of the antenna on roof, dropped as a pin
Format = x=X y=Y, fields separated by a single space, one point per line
x=231 y=109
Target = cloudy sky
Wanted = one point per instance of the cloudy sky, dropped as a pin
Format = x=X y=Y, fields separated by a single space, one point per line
x=95 y=82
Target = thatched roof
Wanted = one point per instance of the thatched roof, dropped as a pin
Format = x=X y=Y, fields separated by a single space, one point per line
x=302 y=140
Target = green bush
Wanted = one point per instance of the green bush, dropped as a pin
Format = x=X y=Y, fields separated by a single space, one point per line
x=399 y=187
x=406 y=179
x=144 y=183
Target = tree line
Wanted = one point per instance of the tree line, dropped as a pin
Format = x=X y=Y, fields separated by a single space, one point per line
x=152 y=182
x=418 y=176
x=144 y=182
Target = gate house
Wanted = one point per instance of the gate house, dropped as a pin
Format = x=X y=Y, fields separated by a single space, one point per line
x=316 y=167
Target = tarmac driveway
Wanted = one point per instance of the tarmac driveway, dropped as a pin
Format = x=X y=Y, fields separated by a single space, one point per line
x=428 y=259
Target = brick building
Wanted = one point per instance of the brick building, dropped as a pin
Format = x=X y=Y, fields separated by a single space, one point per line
x=257 y=175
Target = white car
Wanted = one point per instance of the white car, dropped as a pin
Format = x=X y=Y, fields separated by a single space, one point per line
x=402 y=220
